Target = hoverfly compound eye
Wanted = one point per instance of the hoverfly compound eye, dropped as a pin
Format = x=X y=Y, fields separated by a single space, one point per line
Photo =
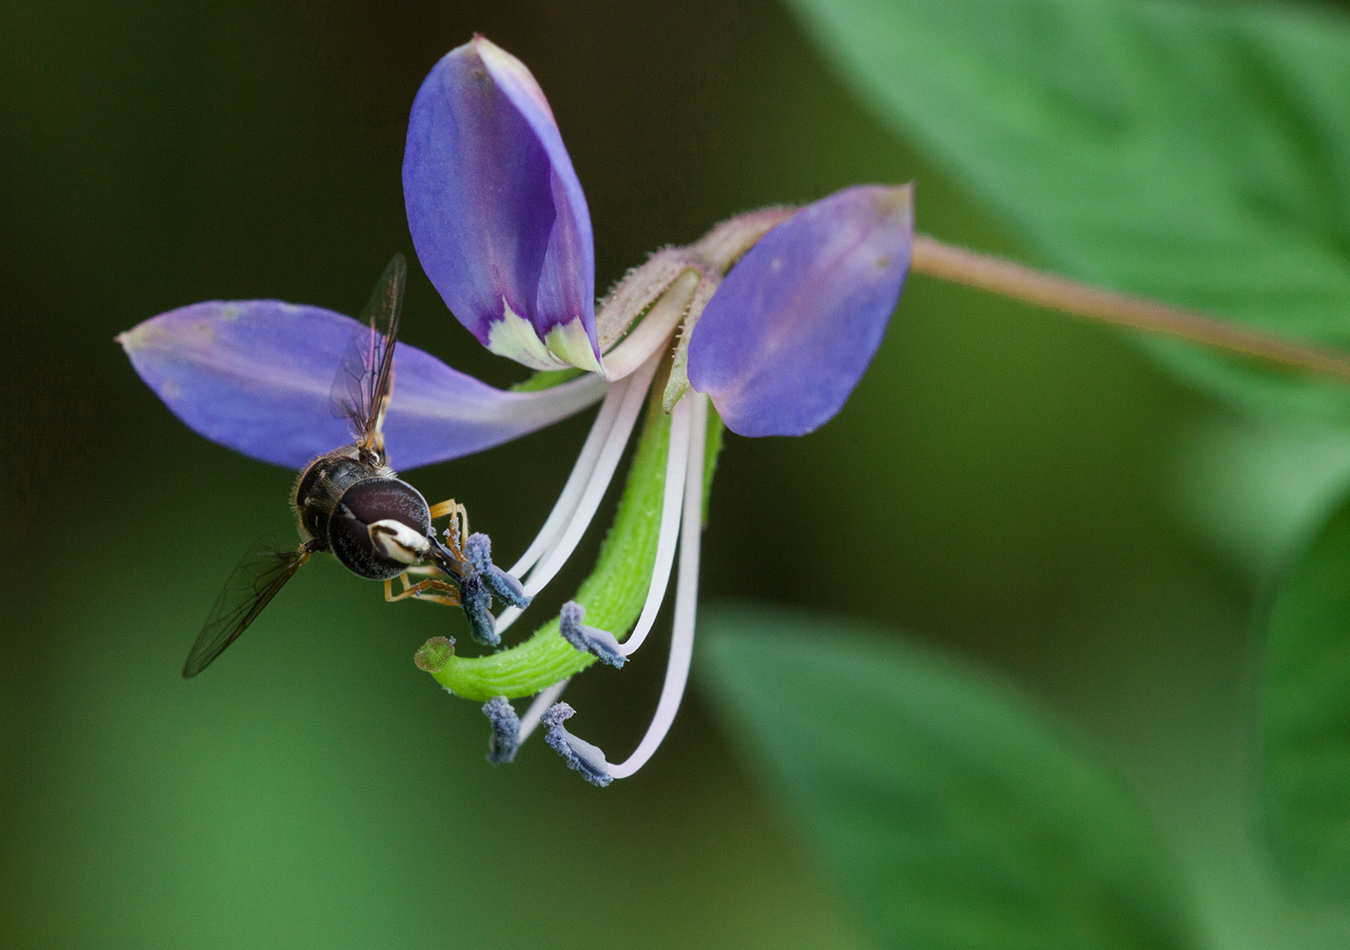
x=380 y=527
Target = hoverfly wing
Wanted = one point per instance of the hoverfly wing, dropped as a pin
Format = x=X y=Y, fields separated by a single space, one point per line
x=260 y=574
x=365 y=378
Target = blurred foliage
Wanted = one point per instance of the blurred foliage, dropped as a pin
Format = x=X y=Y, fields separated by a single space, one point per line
x=1191 y=153
x=1305 y=717
x=953 y=818
x=1199 y=155
x=1003 y=482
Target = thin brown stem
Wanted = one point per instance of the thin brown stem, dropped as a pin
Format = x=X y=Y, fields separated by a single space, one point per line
x=956 y=264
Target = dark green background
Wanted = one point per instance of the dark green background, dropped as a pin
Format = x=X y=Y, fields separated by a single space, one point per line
x=1022 y=490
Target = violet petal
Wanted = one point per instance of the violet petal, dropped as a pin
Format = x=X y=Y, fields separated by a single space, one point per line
x=496 y=212
x=792 y=328
x=255 y=376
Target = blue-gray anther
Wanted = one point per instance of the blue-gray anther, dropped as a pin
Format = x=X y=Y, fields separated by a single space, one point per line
x=579 y=754
x=505 y=730
x=477 y=604
x=599 y=643
x=504 y=585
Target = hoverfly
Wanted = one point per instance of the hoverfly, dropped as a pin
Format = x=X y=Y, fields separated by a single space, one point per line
x=351 y=504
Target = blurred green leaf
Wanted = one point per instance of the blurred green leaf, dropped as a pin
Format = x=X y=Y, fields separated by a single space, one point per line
x=951 y=817
x=1198 y=154
x=1305 y=718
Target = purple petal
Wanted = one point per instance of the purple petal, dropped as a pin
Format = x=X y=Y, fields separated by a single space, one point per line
x=496 y=212
x=793 y=327
x=255 y=375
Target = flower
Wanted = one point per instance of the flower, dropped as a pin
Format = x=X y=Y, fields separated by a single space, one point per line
x=773 y=316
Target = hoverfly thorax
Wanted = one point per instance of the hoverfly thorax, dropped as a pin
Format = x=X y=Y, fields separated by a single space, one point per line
x=321 y=486
x=349 y=503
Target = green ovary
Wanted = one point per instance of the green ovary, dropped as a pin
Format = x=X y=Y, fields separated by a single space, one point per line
x=613 y=595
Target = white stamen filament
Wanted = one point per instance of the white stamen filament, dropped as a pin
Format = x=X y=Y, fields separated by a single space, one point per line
x=629 y=410
x=686 y=597
x=576 y=482
x=650 y=336
x=552 y=560
x=677 y=463
x=544 y=699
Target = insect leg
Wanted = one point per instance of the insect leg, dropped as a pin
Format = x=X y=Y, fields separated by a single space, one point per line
x=444 y=508
x=459 y=524
x=436 y=591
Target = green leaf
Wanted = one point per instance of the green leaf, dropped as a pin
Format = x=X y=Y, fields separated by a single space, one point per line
x=1305 y=718
x=949 y=815
x=1197 y=154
